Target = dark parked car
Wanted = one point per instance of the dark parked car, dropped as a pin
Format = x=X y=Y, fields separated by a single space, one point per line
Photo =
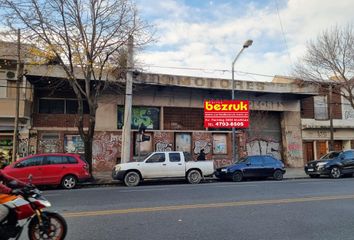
x=252 y=166
x=334 y=164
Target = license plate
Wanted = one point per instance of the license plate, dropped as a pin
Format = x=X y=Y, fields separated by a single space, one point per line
x=223 y=170
x=310 y=169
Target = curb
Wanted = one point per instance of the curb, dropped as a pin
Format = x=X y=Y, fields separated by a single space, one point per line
x=116 y=182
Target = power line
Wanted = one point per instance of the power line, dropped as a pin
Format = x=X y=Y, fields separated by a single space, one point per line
x=207 y=70
x=282 y=30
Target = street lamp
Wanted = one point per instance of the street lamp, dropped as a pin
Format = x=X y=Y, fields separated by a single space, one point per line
x=245 y=45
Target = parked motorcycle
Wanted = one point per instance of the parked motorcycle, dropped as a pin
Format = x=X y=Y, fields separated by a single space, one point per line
x=28 y=205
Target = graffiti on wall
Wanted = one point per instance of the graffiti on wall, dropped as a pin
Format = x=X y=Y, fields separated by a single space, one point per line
x=294 y=149
x=149 y=116
x=23 y=147
x=73 y=144
x=163 y=147
x=202 y=144
x=264 y=135
x=163 y=141
x=222 y=162
x=347 y=110
x=106 y=150
x=50 y=145
x=202 y=141
x=263 y=147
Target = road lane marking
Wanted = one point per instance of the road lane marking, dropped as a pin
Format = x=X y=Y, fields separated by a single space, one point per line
x=206 y=205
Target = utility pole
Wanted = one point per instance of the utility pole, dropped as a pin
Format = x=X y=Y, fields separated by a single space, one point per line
x=330 y=108
x=126 y=138
x=234 y=145
x=18 y=81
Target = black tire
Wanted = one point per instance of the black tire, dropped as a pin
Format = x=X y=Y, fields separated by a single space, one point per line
x=132 y=179
x=314 y=176
x=69 y=182
x=194 y=176
x=335 y=172
x=278 y=175
x=56 y=228
x=237 y=176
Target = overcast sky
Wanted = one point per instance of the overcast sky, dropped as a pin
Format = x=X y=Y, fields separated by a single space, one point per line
x=205 y=36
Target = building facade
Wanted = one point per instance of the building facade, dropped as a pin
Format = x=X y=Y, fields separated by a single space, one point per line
x=8 y=95
x=316 y=128
x=171 y=107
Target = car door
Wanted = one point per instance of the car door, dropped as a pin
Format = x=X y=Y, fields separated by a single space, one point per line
x=154 y=166
x=175 y=167
x=269 y=166
x=54 y=166
x=255 y=167
x=347 y=160
x=29 y=167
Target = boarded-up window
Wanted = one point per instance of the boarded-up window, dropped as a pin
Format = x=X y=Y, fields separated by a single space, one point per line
x=348 y=111
x=321 y=107
x=73 y=144
x=184 y=142
x=219 y=144
x=3 y=88
x=178 y=118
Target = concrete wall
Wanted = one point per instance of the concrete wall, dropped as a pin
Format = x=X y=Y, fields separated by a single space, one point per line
x=292 y=139
x=8 y=108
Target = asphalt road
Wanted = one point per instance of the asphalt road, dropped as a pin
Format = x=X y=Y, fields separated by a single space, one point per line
x=292 y=209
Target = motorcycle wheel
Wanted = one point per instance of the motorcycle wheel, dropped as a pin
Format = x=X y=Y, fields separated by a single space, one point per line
x=54 y=227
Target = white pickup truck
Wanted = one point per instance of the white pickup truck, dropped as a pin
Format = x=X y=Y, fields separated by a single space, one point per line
x=161 y=165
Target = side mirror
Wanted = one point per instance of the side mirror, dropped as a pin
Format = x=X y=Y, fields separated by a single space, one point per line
x=248 y=163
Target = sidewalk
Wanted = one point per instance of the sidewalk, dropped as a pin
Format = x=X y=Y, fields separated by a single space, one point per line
x=105 y=178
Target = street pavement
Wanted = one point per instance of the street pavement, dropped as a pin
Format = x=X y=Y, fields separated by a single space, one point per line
x=105 y=178
x=299 y=209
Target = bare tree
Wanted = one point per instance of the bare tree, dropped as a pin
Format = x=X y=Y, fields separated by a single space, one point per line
x=85 y=38
x=330 y=60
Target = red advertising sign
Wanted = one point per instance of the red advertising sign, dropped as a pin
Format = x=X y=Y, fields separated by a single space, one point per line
x=226 y=114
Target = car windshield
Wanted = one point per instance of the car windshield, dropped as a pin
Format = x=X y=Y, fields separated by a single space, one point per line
x=144 y=157
x=242 y=160
x=330 y=155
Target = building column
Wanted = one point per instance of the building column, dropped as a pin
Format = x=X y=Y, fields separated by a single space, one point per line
x=292 y=139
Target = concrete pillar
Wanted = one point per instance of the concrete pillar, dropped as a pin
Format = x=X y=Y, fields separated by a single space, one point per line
x=292 y=139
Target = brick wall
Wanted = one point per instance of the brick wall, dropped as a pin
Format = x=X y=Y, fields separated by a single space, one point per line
x=307 y=108
x=57 y=120
x=336 y=106
x=183 y=118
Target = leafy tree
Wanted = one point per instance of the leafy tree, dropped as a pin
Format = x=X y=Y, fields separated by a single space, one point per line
x=86 y=38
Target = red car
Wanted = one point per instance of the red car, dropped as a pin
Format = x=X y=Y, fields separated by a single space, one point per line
x=63 y=169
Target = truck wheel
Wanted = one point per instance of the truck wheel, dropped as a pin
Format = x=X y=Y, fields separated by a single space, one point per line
x=194 y=177
x=131 y=179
